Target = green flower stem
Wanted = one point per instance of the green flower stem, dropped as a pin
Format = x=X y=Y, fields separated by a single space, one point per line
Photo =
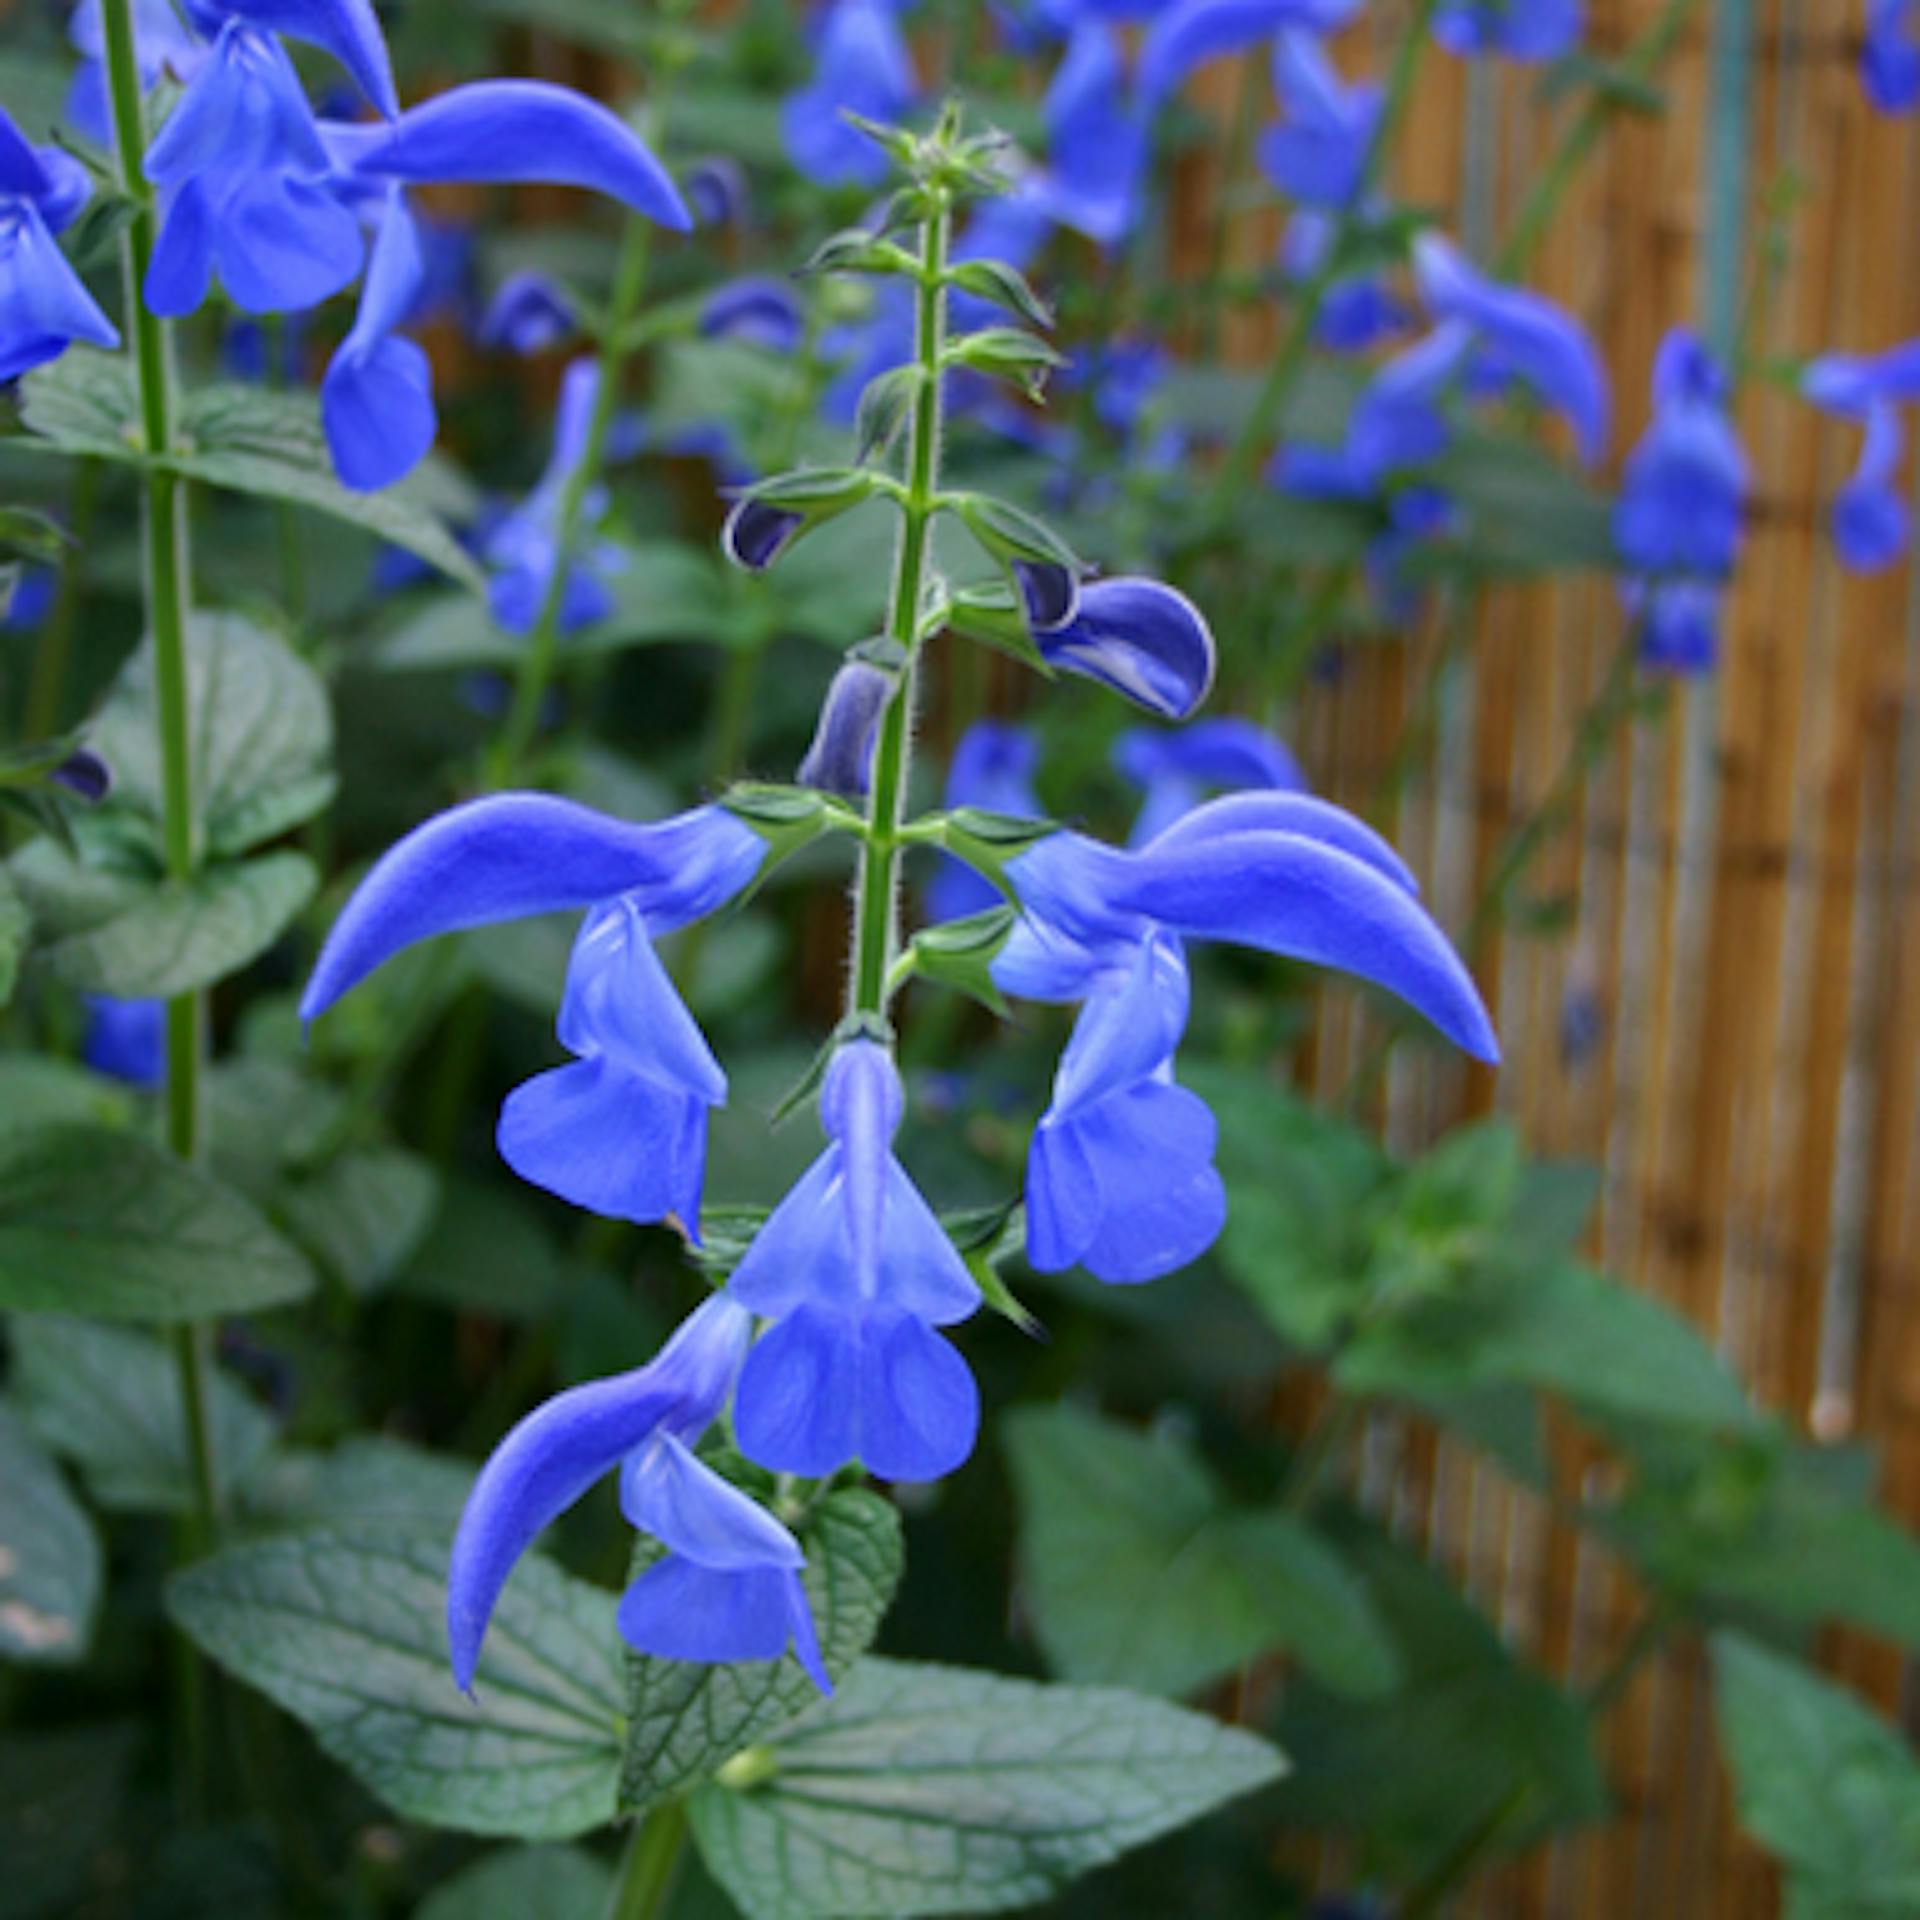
x=1237 y=471
x=650 y=1866
x=876 y=915
x=1637 y=67
x=168 y=570
x=540 y=657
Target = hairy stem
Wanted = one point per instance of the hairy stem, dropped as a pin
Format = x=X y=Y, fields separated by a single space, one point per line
x=876 y=905
x=1290 y=357
x=540 y=657
x=650 y=1866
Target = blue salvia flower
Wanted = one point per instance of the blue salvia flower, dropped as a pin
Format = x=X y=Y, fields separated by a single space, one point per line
x=1869 y=522
x=1280 y=872
x=1519 y=29
x=30 y=600
x=1096 y=142
x=621 y=1128
x=1872 y=524
x=1677 y=523
x=126 y=1039
x=716 y=190
x=44 y=307
x=758 y=309
x=1142 y=638
x=840 y=758
x=856 y=1274
x=861 y=65
x=1120 y=1174
x=1189 y=33
x=1176 y=771
x=727 y=1588
x=245 y=188
x=1319 y=152
x=1890 y=56
x=1677 y=621
x=528 y=313
x=1517 y=336
x=523 y=548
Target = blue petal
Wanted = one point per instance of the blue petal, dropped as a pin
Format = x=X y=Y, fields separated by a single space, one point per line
x=619 y=1001
x=1289 y=895
x=609 y=1140
x=920 y=1408
x=181 y=269
x=1685 y=484
x=127 y=1039
x=993 y=767
x=1134 y=1179
x=1319 y=154
x=1871 y=520
x=756 y=308
x=282 y=244
x=757 y=532
x=1069 y=884
x=1175 y=768
x=528 y=314
x=1097 y=145
x=1143 y=639
x=245 y=112
x=1301 y=813
x=1397 y=422
x=863 y=67
x=525 y=130
x=347 y=29
x=523 y=853
x=1851 y=383
x=1889 y=59
x=554 y=1455
x=797 y=1407
x=1679 y=623
x=1191 y=32
x=678 y=1611
x=43 y=305
x=1127 y=1031
x=683 y=1503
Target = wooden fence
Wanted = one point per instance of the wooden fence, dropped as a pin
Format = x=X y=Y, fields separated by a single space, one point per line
x=1747 y=921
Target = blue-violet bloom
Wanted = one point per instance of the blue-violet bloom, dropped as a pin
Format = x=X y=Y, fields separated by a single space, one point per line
x=44 y=307
x=861 y=66
x=1890 y=55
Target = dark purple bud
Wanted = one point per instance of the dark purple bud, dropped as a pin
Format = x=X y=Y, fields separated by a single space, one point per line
x=840 y=761
x=758 y=309
x=757 y=533
x=84 y=773
x=1049 y=594
x=716 y=190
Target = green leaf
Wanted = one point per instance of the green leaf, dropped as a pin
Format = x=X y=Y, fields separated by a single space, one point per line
x=246 y=439
x=49 y=1556
x=1010 y=533
x=102 y=929
x=932 y=1790
x=108 y=1400
x=37 y=1091
x=524 y=1883
x=261 y=726
x=486 y=1252
x=685 y=1720
x=885 y=403
x=1136 y=1568
x=1821 y=1782
x=111 y=1226
x=1468 y=1735
x=1005 y=286
x=59 y=1794
x=344 y=1628
x=366 y=1477
x=365 y=1215
x=961 y=953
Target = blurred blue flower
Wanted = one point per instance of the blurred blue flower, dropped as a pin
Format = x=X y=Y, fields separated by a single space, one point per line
x=856 y=1274
x=621 y=1129
x=523 y=548
x=528 y=313
x=1126 y=1189
x=861 y=65
x=1890 y=55
x=34 y=589
x=1096 y=142
x=728 y=1586
x=716 y=190
x=1677 y=523
x=1359 y=309
x=1188 y=33
x=1518 y=336
x=1872 y=524
x=1175 y=771
x=44 y=307
x=992 y=768
x=1519 y=29
x=127 y=1039
x=758 y=309
x=1320 y=150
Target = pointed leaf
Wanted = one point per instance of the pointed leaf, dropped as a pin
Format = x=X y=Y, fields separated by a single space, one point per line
x=49 y=1556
